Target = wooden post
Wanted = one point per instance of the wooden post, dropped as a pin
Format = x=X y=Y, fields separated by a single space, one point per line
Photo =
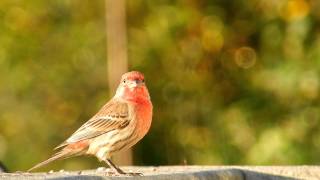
x=117 y=58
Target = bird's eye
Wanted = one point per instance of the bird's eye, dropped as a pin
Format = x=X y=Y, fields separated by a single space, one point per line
x=124 y=81
x=143 y=80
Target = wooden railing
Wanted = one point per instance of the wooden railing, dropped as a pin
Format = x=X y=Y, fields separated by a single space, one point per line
x=183 y=172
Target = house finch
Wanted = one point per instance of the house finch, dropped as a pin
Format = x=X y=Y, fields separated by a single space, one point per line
x=119 y=124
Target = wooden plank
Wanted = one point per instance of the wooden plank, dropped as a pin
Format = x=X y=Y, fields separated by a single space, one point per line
x=184 y=172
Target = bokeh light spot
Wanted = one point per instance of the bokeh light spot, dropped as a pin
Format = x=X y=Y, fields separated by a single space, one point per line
x=296 y=9
x=309 y=85
x=245 y=57
x=17 y=19
x=212 y=38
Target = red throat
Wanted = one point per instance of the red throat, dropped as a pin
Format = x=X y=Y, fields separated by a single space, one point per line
x=138 y=94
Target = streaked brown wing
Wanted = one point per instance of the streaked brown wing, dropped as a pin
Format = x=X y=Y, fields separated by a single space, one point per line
x=111 y=116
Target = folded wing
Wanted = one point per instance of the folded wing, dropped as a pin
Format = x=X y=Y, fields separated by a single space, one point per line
x=113 y=115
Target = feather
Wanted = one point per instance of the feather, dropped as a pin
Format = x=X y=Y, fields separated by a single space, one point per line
x=63 y=154
x=113 y=115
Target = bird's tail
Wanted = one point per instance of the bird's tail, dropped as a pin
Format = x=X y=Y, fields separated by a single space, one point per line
x=63 y=154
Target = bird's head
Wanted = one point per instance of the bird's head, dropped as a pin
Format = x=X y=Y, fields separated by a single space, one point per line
x=132 y=86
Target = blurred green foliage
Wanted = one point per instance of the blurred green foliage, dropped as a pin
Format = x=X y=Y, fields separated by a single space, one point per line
x=232 y=82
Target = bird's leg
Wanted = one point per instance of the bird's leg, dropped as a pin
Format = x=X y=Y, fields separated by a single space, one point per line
x=114 y=167
x=118 y=170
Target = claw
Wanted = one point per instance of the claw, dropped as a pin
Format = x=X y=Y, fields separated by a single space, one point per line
x=129 y=174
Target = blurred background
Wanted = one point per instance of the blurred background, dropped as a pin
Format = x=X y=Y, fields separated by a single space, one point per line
x=232 y=82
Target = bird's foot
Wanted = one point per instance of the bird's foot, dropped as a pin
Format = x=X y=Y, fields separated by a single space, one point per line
x=118 y=171
x=129 y=174
x=115 y=173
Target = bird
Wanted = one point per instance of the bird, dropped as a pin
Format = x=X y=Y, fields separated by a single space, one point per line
x=117 y=126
